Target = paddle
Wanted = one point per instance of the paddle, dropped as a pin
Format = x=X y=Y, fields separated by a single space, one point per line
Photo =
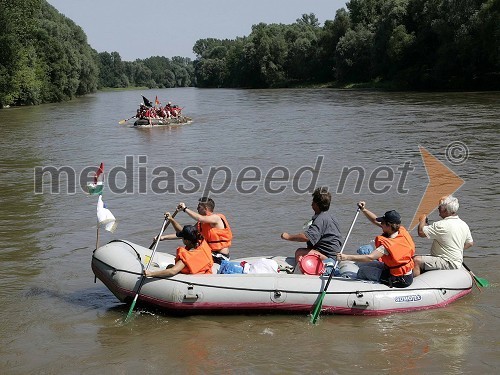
x=479 y=280
x=121 y=122
x=155 y=240
x=154 y=245
x=319 y=303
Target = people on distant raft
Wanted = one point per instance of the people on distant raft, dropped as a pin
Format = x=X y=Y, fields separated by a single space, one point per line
x=213 y=226
x=323 y=235
x=451 y=236
x=194 y=258
x=168 y=109
x=394 y=247
x=160 y=112
x=176 y=111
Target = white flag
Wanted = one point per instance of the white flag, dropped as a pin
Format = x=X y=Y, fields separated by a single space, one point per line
x=105 y=217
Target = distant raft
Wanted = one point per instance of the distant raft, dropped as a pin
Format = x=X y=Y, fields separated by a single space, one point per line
x=120 y=265
x=153 y=122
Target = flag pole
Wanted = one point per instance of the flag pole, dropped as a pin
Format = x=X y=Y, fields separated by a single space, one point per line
x=97 y=236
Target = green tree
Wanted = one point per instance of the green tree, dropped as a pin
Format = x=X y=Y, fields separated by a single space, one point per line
x=210 y=72
x=327 y=44
x=266 y=53
x=45 y=56
x=19 y=83
x=354 y=55
x=302 y=56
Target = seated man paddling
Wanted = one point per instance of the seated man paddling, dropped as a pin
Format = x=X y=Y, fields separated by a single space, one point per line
x=323 y=236
x=194 y=258
x=394 y=248
x=450 y=237
x=214 y=227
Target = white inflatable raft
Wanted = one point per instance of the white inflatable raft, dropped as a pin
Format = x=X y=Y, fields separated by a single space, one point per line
x=120 y=264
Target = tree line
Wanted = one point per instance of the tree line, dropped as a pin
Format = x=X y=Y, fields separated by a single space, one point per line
x=403 y=44
x=153 y=72
x=45 y=57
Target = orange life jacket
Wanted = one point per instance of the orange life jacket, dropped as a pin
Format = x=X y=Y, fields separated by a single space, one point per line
x=217 y=238
x=197 y=260
x=401 y=250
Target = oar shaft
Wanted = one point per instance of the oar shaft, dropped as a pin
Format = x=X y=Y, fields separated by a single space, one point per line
x=143 y=278
x=467 y=268
x=479 y=280
x=124 y=121
x=319 y=303
x=342 y=249
x=158 y=238
x=163 y=227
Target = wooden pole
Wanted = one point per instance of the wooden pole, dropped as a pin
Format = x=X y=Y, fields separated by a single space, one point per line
x=97 y=236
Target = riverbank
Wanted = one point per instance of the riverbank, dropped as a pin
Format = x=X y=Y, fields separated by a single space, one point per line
x=118 y=89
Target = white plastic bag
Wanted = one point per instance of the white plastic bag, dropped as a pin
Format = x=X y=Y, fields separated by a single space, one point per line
x=263 y=265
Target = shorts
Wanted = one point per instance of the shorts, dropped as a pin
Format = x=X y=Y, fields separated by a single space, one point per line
x=430 y=263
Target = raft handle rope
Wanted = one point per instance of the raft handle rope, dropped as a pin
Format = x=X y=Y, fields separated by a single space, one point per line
x=189 y=283
x=133 y=248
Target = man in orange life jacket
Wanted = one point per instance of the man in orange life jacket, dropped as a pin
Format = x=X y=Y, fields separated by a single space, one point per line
x=194 y=258
x=213 y=226
x=394 y=247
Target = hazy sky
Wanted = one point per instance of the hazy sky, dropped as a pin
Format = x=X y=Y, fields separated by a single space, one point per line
x=140 y=29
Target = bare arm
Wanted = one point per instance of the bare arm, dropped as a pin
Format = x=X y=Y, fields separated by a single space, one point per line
x=172 y=271
x=468 y=244
x=174 y=222
x=299 y=237
x=177 y=228
x=374 y=255
x=171 y=236
x=369 y=215
x=421 y=224
x=214 y=220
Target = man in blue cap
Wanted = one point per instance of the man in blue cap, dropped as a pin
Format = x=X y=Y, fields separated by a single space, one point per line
x=394 y=247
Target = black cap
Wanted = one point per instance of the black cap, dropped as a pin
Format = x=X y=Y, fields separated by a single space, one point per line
x=188 y=232
x=205 y=200
x=390 y=217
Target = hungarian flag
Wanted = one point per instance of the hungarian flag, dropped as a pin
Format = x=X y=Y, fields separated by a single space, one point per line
x=95 y=187
x=146 y=101
x=105 y=217
x=157 y=102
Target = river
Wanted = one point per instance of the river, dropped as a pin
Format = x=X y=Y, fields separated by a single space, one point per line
x=56 y=320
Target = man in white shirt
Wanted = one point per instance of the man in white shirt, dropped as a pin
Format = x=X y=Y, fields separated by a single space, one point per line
x=451 y=236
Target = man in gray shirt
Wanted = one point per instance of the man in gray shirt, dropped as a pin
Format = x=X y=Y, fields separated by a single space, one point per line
x=323 y=235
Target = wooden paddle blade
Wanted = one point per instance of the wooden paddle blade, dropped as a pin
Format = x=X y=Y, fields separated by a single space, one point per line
x=121 y=122
x=317 y=308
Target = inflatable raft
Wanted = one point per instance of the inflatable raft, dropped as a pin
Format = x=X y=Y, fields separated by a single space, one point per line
x=120 y=264
x=145 y=123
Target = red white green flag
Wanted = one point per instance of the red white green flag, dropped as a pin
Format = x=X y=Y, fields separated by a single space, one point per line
x=95 y=188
